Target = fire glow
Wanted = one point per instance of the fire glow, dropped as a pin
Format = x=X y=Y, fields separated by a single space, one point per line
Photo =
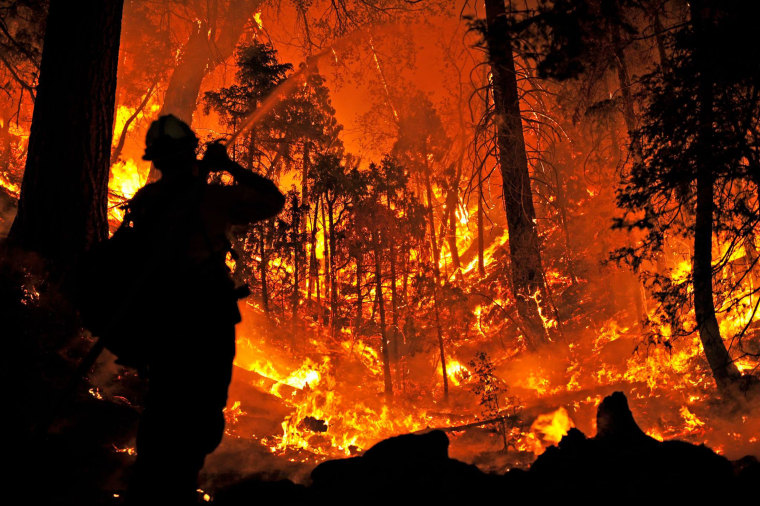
x=327 y=329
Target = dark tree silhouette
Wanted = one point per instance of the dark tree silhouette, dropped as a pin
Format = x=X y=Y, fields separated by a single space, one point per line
x=695 y=163
x=527 y=272
x=62 y=208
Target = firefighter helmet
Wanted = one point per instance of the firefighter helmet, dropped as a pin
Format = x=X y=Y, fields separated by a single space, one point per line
x=169 y=136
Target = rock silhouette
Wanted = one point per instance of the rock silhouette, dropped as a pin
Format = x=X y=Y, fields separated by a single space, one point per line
x=620 y=464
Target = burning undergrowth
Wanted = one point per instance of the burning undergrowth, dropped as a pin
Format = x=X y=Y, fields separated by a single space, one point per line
x=305 y=399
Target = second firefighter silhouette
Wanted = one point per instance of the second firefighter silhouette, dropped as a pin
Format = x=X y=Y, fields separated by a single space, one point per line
x=191 y=343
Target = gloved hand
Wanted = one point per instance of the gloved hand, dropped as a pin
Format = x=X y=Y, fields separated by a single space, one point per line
x=216 y=157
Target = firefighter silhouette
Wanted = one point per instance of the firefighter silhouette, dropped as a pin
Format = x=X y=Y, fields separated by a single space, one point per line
x=191 y=334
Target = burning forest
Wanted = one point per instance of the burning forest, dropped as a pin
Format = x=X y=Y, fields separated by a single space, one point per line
x=456 y=231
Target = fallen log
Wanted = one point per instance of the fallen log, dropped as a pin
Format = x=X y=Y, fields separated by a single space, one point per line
x=513 y=419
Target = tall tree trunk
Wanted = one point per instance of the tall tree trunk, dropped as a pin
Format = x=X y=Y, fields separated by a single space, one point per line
x=562 y=208
x=327 y=260
x=5 y=139
x=185 y=83
x=313 y=265
x=331 y=265
x=305 y=173
x=658 y=33
x=202 y=52
x=249 y=158
x=263 y=267
x=359 y=296
x=394 y=302
x=451 y=233
x=436 y=282
x=621 y=66
x=296 y=238
x=63 y=206
x=723 y=368
x=527 y=277
x=381 y=308
x=481 y=241
x=431 y=222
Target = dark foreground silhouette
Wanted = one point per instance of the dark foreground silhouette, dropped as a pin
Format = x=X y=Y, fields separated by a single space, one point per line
x=164 y=271
x=619 y=465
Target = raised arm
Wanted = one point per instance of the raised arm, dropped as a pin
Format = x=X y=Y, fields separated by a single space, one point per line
x=253 y=198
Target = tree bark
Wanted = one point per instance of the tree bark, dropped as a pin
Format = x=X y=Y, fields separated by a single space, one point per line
x=263 y=267
x=527 y=277
x=296 y=238
x=331 y=265
x=621 y=66
x=201 y=54
x=436 y=280
x=451 y=233
x=723 y=368
x=481 y=241
x=327 y=260
x=359 y=296
x=394 y=304
x=305 y=173
x=388 y=385
x=63 y=206
x=313 y=273
x=658 y=34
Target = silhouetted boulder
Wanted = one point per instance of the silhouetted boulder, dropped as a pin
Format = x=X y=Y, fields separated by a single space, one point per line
x=619 y=465
x=260 y=490
x=621 y=459
x=408 y=467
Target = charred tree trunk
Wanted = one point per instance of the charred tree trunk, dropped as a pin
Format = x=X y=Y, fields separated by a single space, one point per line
x=296 y=238
x=563 y=218
x=723 y=368
x=658 y=34
x=5 y=139
x=63 y=206
x=527 y=277
x=263 y=267
x=249 y=154
x=359 y=295
x=313 y=266
x=326 y=241
x=451 y=233
x=621 y=66
x=394 y=310
x=394 y=300
x=331 y=265
x=431 y=221
x=436 y=281
x=381 y=309
x=481 y=241
x=305 y=173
